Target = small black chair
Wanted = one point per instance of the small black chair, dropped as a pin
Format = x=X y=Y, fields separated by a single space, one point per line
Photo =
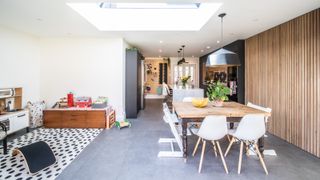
x=3 y=137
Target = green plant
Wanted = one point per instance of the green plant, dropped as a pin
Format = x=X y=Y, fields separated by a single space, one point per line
x=184 y=79
x=218 y=92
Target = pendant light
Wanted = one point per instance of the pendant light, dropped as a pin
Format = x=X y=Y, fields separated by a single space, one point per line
x=222 y=57
x=183 y=60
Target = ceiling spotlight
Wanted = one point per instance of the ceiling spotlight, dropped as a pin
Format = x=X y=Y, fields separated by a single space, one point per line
x=160 y=50
x=193 y=56
x=208 y=47
x=218 y=41
x=202 y=50
x=160 y=42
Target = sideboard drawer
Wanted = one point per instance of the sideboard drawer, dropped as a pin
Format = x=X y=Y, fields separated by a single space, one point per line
x=52 y=119
x=74 y=119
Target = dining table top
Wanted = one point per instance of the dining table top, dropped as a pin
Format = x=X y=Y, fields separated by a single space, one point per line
x=185 y=110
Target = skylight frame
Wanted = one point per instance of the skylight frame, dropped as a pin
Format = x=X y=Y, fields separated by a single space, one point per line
x=123 y=19
x=109 y=5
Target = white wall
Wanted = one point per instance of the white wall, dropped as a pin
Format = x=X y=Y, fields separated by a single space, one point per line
x=86 y=66
x=191 y=60
x=20 y=63
x=49 y=68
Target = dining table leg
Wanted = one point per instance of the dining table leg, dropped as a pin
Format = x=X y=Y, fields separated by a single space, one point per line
x=261 y=145
x=184 y=138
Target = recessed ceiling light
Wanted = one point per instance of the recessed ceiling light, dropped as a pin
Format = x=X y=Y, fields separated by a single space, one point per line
x=202 y=50
x=160 y=50
x=208 y=47
x=218 y=41
x=193 y=56
x=161 y=42
x=39 y=19
x=147 y=16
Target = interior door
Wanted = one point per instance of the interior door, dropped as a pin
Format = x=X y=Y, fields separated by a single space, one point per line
x=184 y=70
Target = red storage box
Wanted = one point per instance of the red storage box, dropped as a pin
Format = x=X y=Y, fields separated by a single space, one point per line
x=83 y=102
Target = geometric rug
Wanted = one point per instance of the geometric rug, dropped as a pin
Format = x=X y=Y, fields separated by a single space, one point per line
x=65 y=143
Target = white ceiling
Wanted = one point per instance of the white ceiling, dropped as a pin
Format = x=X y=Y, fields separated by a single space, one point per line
x=245 y=18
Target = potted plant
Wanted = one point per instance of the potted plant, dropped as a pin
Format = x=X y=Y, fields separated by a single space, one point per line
x=184 y=80
x=217 y=93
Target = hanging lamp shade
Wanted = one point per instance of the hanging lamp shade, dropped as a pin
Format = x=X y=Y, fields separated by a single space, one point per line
x=183 y=60
x=223 y=57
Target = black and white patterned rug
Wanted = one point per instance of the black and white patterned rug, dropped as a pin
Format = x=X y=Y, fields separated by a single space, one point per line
x=65 y=143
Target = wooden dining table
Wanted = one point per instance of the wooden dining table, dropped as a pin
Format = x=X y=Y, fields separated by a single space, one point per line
x=232 y=110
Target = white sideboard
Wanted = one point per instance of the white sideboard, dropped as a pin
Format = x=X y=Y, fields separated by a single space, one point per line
x=16 y=121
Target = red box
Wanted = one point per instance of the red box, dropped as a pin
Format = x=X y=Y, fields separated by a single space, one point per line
x=83 y=102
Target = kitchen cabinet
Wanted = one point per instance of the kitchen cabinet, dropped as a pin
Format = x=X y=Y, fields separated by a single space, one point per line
x=134 y=100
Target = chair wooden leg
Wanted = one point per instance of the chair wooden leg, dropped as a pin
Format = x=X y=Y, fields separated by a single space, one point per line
x=240 y=157
x=196 y=147
x=214 y=148
x=228 y=136
x=230 y=144
x=222 y=158
x=202 y=154
x=247 y=148
x=261 y=159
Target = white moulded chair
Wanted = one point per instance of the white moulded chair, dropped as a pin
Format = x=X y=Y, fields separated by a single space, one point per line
x=250 y=129
x=268 y=110
x=270 y=152
x=176 y=130
x=260 y=108
x=212 y=129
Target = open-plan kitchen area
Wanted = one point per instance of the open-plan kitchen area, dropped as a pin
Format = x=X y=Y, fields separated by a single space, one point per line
x=159 y=89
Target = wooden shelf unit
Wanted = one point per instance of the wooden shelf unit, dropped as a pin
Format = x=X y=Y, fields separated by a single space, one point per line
x=17 y=98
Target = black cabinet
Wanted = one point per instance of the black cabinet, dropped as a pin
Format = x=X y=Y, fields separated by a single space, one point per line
x=236 y=73
x=133 y=85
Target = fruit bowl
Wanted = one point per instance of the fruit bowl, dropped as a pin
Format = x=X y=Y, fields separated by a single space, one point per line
x=200 y=102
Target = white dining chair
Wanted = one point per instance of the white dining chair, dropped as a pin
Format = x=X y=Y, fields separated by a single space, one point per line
x=265 y=109
x=173 y=115
x=250 y=129
x=176 y=130
x=212 y=129
x=249 y=104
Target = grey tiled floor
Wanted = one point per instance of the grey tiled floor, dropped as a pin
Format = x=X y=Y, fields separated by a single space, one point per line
x=132 y=154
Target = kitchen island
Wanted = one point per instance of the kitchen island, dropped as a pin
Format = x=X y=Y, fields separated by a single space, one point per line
x=179 y=92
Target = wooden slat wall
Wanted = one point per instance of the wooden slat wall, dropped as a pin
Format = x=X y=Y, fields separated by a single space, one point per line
x=283 y=72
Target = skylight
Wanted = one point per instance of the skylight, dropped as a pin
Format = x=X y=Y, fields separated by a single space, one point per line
x=149 y=5
x=146 y=16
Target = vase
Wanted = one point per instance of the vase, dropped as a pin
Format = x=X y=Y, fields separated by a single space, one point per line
x=218 y=103
x=184 y=85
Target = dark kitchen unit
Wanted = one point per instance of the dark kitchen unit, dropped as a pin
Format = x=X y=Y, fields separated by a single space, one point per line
x=232 y=76
x=134 y=99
